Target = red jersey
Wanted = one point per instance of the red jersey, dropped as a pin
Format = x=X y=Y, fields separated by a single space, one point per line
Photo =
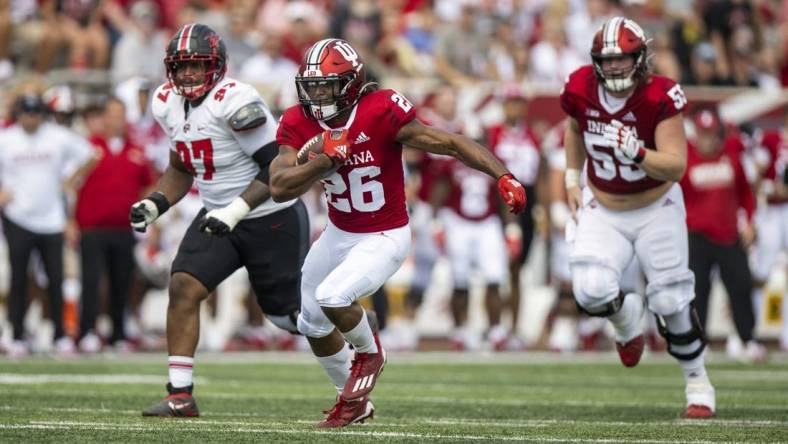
x=777 y=148
x=472 y=194
x=112 y=187
x=715 y=187
x=367 y=193
x=584 y=99
x=518 y=149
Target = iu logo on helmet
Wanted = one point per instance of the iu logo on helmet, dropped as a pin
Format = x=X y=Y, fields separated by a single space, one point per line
x=347 y=52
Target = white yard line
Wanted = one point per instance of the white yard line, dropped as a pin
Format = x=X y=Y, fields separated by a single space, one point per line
x=371 y=435
x=406 y=358
x=74 y=378
x=435 y=421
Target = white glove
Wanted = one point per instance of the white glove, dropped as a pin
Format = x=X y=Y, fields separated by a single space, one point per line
x=142 y=214
x=624 y=140
x=221 y=221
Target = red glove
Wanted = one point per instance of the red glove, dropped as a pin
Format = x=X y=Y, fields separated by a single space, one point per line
x=512 y=193
x=335 y=145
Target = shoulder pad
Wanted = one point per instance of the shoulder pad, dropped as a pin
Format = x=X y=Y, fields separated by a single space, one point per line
x=248 y=117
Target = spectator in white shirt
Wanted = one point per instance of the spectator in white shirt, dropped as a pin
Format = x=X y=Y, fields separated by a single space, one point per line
x=39 y=160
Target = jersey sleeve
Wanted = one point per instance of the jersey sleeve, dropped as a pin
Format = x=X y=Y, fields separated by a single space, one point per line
x=159 y=107
x=567 y=97
x=397 y=111
x=77 y=150
x=672 y=102
x=287 y=133
x=234 y=96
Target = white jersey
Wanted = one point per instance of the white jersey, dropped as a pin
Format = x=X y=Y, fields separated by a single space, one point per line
x=219 y=157
x=33 y=168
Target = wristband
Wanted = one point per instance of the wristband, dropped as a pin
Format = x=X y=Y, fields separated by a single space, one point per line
x=158 y=198
x=238 y=208
x=640 y=156
x=572 y=178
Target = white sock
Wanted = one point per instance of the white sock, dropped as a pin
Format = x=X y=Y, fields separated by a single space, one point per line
x=181 y=369
x=361 y=336
x=627 y=320
x=695 y=369
x=337 y=366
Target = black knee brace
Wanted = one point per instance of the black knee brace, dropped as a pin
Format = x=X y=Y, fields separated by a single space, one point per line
x=610 y=308
x=687 y=338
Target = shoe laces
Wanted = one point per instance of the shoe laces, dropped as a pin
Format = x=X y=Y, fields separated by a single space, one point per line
x=333 y=412
x=358 y=363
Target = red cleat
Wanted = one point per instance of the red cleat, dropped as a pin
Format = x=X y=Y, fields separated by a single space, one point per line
x=364 y=373
x=347 y=412
x=696 y=411
x=631 y=351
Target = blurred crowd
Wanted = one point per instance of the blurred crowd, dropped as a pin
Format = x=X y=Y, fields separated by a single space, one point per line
x=95 y=63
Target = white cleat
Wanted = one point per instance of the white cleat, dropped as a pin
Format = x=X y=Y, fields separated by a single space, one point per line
x=700 y=400
x=65 y=347
x=18 y=350
x=90 y=343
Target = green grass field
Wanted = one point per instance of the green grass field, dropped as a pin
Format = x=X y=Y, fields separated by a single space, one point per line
x=271 y=397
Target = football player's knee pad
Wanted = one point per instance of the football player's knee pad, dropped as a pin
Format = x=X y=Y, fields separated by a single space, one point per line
x=680 y=344
x=671 y=294
x=314 y=325
x=288 y=322
x=331 y=297
x=596 y=288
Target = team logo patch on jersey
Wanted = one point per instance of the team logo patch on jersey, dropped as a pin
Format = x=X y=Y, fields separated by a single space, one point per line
x=592 y=112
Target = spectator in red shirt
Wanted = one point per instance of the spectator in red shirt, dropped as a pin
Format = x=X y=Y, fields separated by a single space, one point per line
x=715 y=188
x=118 y=180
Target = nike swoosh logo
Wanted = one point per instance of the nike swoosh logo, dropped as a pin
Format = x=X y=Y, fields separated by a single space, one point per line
x=178 y=406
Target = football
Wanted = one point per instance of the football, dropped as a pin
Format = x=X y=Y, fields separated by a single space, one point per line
x=311 y=148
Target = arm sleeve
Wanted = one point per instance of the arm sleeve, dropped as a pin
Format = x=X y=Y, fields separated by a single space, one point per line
x=250 y=140
x=263 y=157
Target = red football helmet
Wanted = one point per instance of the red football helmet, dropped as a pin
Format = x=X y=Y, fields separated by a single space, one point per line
x=330 y=79
x=620 y=36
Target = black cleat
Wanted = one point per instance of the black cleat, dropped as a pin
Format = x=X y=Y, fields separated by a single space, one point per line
x=179 y=403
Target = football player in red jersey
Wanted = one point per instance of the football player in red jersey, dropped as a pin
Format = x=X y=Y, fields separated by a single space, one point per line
x=628 y=123
x=367 y=237
x=772 y=218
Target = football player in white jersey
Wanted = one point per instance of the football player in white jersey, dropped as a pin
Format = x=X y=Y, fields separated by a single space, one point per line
x=222 y=138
